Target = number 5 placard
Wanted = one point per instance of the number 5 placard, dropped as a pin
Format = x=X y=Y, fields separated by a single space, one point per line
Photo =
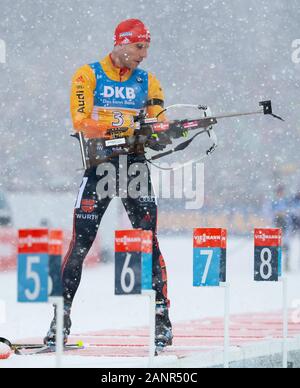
x=33 y=266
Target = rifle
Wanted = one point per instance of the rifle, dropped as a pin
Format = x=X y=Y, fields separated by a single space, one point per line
x=155 y=134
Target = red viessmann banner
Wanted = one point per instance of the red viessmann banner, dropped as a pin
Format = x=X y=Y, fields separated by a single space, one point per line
x=9 y=247
x=133 y=240
x=267 y=237
x=33 y=241
x=210 y=238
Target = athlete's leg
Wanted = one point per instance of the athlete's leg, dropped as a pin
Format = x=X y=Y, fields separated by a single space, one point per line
x=88 y=213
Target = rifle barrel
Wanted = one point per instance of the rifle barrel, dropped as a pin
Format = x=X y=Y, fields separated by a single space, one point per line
x=236 y=115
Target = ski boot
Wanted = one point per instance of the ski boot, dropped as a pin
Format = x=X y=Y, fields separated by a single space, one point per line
x=50 y=339
x=163 y=327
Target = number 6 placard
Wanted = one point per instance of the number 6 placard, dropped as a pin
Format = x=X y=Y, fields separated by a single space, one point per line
x=133 y=262
x=267 y=255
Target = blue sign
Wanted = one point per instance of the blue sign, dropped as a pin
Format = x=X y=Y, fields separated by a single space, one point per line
x=280 y=261
x=147 y=271
x=33 y=278
x=207 y=267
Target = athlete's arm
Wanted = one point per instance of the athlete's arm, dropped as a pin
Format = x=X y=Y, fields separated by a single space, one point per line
x=82 y=102
x=156 y=98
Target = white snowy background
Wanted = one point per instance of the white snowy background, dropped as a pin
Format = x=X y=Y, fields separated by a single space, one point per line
x=227 y=54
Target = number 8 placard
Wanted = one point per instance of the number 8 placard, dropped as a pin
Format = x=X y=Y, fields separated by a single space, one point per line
x=267 y=249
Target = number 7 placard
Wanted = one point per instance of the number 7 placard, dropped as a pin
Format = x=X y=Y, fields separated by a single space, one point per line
x=209 y=266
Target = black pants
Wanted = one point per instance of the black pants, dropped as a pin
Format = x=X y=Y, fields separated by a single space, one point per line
x=89 y=210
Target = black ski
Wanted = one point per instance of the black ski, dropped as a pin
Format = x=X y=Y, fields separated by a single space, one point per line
x=31 y=349
x=44 y=349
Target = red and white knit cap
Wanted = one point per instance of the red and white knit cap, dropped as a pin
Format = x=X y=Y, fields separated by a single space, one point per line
x=131 y=31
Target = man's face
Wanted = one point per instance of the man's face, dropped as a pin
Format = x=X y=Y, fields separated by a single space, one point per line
x=131 y=55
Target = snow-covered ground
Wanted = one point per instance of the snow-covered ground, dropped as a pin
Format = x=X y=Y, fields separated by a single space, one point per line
x=96 y=307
